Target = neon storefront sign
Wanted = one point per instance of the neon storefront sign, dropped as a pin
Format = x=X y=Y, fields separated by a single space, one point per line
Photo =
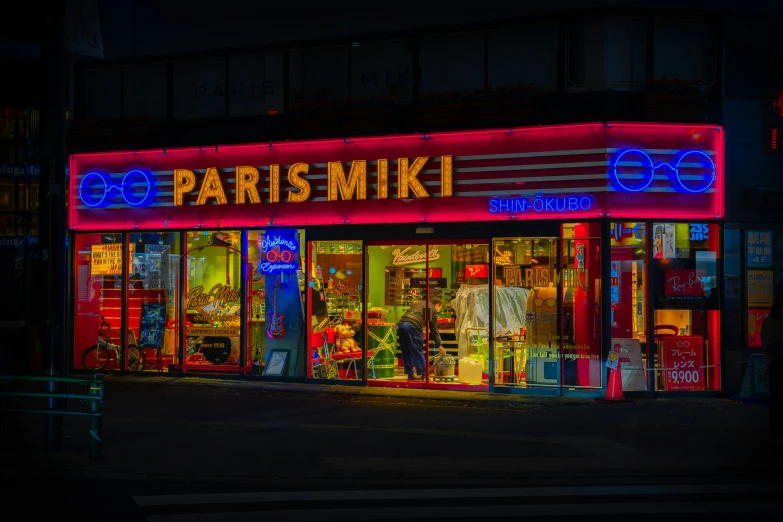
x=279 y=255
x=638 y=159
x=276 y=241
x=96 y=189
x=540 y=204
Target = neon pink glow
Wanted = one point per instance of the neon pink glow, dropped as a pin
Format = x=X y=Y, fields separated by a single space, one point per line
x=553 y=161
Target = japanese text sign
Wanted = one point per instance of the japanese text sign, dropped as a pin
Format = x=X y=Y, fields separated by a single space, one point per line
x=759 y=288
x=759 y=248
x=684 y=361
x=755 y=318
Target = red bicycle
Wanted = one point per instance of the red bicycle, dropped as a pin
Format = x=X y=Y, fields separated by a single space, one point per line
x=97 y=356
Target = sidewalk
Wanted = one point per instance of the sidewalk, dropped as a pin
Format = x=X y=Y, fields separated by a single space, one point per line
x=209 y=429
x=338 y=389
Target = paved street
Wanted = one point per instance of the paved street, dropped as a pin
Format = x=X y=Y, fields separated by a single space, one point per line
x=206 y=437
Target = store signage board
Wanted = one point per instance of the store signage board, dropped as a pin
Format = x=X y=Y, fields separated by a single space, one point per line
x=760 y=288
x=755 y=320
x=279 y=254
x=540 y=204
x=107 y=259
x=684 y=283
x=275 y=365
x=519 y=173
x=421 y=282
x=413 y=255
x=759 y=247
x=683 y=357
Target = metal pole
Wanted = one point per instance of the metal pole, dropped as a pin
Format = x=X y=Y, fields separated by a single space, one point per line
x=96 y=407
x=52 y=204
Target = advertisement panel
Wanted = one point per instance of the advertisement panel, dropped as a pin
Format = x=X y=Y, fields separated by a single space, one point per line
x=683 y=357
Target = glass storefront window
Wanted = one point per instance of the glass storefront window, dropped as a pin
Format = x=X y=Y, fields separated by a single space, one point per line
x=686 y=300
x=526 y=342
x=213 y=296
x=403 y=346
x=276 y=339
x=99 y=276
x=153 y=296
x=580 y=280
x=628 y=307
x=335 y=290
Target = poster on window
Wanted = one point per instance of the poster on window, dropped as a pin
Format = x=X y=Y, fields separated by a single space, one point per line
x=755 y=318
x=664 y=241
x=758 y=245
x=685 y=282
x=759 y=288
x=153 y=319
x=683 y=359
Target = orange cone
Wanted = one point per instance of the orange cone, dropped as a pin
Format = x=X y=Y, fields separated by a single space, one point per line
x=614 y=390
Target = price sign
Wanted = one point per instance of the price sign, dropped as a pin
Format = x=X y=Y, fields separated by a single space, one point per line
x=683 y=357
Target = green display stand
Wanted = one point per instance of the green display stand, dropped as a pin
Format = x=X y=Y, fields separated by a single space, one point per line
x=382 y=342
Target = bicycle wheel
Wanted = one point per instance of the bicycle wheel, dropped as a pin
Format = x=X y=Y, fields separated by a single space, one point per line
x=95 y=357
x=135 y=358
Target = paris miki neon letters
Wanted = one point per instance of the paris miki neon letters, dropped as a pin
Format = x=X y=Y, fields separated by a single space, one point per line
x=137 y=187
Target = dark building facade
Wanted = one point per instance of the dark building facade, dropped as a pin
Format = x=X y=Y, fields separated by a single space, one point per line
x=360 y=75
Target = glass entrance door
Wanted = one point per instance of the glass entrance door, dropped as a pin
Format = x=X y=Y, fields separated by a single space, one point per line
x=428 y=315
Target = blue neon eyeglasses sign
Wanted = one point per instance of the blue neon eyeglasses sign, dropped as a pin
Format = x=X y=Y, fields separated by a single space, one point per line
x=684 y=160
x=96 y=189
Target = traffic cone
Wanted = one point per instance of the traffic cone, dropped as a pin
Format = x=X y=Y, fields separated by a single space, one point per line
x=614 y=389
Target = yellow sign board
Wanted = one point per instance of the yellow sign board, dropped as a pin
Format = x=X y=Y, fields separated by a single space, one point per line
x=107 y=259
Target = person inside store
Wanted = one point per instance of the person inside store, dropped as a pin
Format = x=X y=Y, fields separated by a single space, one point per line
x=772 y=344
x=410 y=332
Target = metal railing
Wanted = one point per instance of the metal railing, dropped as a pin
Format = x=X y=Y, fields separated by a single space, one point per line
x=94 y=398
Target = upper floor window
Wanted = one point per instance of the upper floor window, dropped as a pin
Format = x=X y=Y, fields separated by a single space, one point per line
x=452 y=63
x=685 y=55
x=382 y=72
x=523 y=60
x=607 y=53
x=255 y=84
x=318 y=77
x=102 y=93
x=144 y=91
x=200 y=88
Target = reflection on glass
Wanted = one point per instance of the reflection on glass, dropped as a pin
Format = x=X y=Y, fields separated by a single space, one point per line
x=335 y=301
x=526 y=344
x=581 y=291
x=97 y=325
x=213 y=298
x=153 y=293
x=276 y=297
x=686 y=299
x=628 y=289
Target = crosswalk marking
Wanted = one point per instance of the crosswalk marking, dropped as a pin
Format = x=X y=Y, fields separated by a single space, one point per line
x=477 y=512
x=431 y=494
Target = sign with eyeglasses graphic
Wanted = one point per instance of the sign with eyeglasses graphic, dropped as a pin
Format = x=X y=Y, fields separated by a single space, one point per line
x=98 y=190
x=633 y=170
x=683 y=359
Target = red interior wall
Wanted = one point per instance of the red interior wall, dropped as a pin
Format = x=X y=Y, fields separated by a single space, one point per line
x=587 y=313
